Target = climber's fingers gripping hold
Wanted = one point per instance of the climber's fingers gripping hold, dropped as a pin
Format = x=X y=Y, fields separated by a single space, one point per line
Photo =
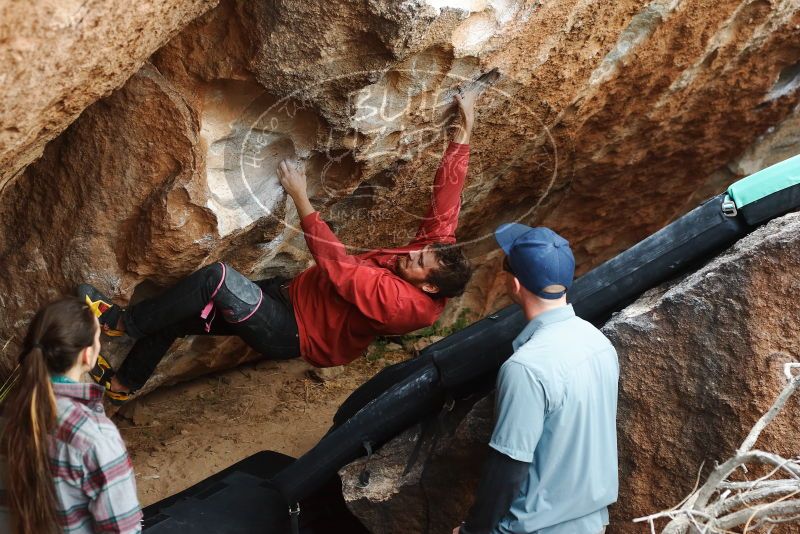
x=292 y=175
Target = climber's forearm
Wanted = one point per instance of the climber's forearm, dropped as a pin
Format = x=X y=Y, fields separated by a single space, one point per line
x=303 y=205
x=463 y=133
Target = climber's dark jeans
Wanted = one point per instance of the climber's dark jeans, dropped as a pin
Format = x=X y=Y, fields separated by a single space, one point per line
x=158 y=322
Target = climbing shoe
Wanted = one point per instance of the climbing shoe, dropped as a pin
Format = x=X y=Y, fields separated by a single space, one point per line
x=117 y=398
x=102 y=373
x=107 y=313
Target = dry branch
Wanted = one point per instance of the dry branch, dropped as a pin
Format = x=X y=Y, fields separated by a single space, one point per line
x=720 y=505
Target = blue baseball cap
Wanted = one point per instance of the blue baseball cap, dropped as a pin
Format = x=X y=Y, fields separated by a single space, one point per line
x=538 y=257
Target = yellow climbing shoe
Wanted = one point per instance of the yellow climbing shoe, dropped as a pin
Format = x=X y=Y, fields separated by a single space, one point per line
x=106 y=312
x=102 y=373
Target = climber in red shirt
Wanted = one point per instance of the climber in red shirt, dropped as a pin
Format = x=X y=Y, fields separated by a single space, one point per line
x=328 y=314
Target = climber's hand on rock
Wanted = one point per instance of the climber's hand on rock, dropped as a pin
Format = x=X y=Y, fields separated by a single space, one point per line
x=466 y=115
x=292 y=175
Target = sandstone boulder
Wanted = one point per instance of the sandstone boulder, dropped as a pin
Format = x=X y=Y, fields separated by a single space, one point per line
x=700 y=360
x=421 y=486
x=57 y=58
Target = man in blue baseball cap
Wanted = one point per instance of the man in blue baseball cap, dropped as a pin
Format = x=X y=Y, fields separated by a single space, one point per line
x=552 y=465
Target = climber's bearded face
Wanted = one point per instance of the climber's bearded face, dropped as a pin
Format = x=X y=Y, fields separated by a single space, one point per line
x=416 y=266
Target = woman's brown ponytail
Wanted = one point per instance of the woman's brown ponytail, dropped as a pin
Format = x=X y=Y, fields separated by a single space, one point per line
x=56 y=336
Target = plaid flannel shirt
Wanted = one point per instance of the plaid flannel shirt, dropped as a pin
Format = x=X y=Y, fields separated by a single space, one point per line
x=92 y=472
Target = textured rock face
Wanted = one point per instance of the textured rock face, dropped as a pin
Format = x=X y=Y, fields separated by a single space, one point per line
x=431 y=493
x=602 y=108
x=58 y=57
x=700 y=361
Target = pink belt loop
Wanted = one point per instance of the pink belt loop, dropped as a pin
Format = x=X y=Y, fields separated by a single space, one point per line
x=209 y=307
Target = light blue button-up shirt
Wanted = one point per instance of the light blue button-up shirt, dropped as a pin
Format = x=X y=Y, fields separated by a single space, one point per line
x=556 y=407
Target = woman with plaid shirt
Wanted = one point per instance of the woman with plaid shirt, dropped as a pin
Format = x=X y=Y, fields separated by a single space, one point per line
x=66 y=467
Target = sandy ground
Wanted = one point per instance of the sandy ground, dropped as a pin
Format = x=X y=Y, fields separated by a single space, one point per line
x=181 y=434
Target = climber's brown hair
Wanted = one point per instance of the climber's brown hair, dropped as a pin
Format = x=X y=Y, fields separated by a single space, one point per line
x=55 y=338
x=453 y=273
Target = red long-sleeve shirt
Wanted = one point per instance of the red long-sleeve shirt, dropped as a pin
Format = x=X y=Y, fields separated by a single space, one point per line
x=344 y=302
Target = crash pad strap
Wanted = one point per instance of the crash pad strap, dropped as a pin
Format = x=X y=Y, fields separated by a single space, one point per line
x=294 y=518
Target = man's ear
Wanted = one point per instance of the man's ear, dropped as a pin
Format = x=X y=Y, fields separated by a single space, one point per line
x=430 y=288
x=516 y=285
